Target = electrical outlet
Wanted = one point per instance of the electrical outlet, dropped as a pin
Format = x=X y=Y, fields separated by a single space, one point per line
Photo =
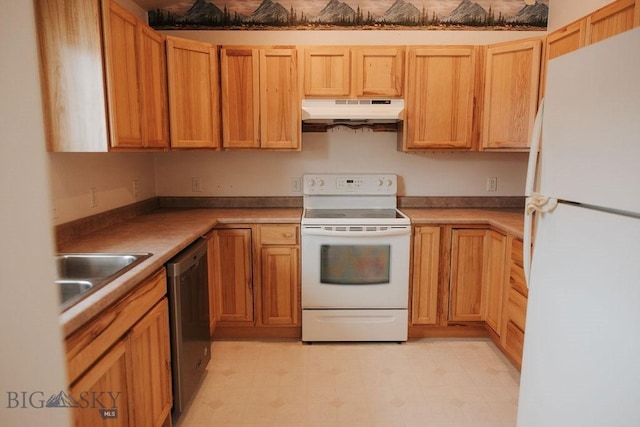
x=93 y=202
x=135 y=187
x=296 y=184
x=195 y=184
x=492 y=184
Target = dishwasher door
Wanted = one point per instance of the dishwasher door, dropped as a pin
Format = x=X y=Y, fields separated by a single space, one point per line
x=188 y=283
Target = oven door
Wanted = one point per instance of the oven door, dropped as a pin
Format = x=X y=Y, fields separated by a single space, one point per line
x=355 y=266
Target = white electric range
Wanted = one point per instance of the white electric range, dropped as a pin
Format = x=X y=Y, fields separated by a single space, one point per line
x=355 y=259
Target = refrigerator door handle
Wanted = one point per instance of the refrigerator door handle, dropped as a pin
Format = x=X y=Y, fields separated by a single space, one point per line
x=529 y=189
x=534 y=203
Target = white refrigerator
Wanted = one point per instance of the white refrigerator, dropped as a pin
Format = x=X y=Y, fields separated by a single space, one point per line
x=581 y=363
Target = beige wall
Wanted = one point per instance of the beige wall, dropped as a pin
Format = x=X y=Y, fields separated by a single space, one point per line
x=31 y=358
x=111 y=174
x=563 y=12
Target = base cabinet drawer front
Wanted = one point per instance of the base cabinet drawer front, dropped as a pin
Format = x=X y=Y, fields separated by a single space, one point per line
x=286 y=234
x=517 y=308
x=514 y=342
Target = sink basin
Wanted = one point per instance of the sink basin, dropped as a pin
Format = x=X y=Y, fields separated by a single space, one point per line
x=80 y=274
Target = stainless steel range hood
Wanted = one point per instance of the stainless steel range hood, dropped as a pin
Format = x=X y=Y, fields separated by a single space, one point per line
x=369 y=111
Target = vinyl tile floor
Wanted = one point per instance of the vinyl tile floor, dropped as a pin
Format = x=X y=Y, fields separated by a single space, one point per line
x=426 y=382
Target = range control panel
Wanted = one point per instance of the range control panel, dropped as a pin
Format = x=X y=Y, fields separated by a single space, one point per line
x=360 y=184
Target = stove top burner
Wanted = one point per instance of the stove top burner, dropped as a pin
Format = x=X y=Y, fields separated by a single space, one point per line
x=352 y=213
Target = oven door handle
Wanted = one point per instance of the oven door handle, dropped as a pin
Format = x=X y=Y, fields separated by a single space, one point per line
x=348 y=233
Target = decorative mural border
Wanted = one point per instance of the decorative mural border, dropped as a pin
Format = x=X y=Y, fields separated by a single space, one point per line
x=350 y=15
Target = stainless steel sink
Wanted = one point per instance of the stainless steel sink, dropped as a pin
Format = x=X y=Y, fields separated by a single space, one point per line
x=80 y=274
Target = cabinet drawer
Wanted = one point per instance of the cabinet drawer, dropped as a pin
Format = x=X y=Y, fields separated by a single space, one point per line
x=514 y=341
x=279 y=234
x=517 y=308
x=516 y=279
x=516 y=252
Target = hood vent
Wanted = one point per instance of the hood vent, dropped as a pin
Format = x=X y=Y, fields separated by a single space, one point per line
x=352 y=111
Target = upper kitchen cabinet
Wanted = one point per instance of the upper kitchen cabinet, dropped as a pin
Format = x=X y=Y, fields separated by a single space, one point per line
x=612 y=19
x=136 y=79
x=93 y=56
x=359 y=72
x=327 y=71
x=566 y=39
x=260 y=98
x=71 y=63
x=512 y=77
x=194 y=99
x=441 y=85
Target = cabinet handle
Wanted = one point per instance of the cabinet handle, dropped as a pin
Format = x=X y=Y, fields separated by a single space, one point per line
x=288 y=235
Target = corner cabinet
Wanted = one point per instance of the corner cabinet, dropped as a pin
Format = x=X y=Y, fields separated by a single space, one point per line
x=353 y=71
x=441 y=85
x=511 y=84
x=260 y=98
x=124 y=354
x=194 y=101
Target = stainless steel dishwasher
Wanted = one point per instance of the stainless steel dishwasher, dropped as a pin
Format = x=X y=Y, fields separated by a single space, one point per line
x=188 y=283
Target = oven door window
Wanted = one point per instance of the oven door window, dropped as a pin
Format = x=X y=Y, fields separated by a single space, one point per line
x=355 y=264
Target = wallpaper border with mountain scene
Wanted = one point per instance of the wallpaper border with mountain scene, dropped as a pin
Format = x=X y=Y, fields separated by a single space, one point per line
x=341 y=15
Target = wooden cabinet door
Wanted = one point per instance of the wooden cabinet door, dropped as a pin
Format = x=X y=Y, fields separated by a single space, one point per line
x=279 y=284
x=468 y=254
x=378 y=71
x=612 y=19
x=73 y=87
x=494 y=280
x=193 y=94
x=108 y=380
x=153 y=67
x=240 y=97
x=150 y=368
x=566 y=39
x=327 y=71
x=123 y=76
x=234 y=286
x=426 y=261
x=440 y=92
x=511 y=86
x=279 y=99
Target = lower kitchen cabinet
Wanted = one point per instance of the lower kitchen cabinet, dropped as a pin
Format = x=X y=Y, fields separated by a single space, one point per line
x=121 y=361
x=257 y=280
x=468 y=255
x=515 y=303
x=279 y=278
x=494 y=280
x=425 y=274
x=468 y=282
x=233 y=277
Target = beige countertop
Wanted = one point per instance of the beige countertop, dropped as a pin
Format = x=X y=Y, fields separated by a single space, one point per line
x=508 y=220
x=164 y=233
